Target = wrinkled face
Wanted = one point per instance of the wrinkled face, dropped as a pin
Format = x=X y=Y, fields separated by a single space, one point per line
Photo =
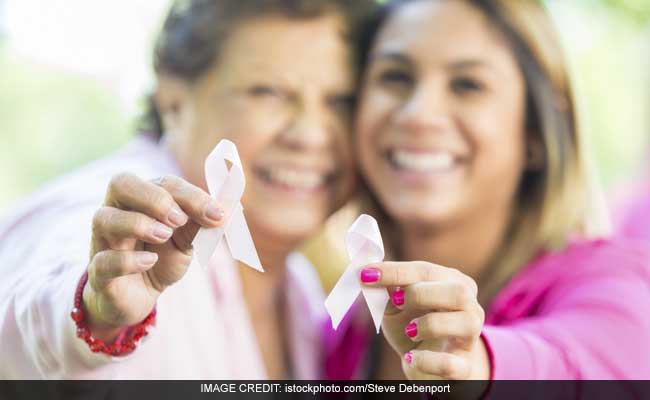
x=282 y=92
x=441 y=121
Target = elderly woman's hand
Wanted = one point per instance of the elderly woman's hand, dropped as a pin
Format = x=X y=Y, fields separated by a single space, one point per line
x=434 y=321
x=141 y=244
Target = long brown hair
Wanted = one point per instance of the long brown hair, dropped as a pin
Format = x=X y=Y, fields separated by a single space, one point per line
x=561 y=200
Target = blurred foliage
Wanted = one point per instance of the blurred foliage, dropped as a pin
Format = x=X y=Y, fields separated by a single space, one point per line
x=51 y=122
x=638 y=10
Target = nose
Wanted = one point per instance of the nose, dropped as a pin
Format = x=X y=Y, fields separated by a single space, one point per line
x=308 y=129
x=426 y=109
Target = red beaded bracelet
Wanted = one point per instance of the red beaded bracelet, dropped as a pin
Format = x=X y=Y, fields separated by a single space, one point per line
x=125 y=342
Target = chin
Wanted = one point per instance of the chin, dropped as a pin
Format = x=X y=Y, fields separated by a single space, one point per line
x=285 y=226
x=429 y=212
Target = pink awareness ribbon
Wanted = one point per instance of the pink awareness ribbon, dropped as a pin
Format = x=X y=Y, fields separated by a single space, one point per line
x=364 y=245
x=227 y=187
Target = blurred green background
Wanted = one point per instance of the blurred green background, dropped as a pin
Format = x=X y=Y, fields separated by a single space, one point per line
x=73 y=75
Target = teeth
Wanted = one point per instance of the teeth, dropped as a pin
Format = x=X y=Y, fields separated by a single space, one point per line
x=296 y=179
x=422 y=162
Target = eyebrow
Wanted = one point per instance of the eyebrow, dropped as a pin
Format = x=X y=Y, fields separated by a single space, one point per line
x=454 y=65
x=467 y=64
x=392 y=56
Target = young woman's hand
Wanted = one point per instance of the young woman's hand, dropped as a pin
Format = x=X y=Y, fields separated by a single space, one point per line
x=141 y=244
x=433 y=321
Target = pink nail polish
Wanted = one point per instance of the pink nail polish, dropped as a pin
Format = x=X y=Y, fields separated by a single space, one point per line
x=370 y=275
x=411 y=329
x=408 y=357
x=398 y=297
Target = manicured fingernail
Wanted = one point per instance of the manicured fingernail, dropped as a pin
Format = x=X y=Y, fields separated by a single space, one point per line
x=398 y=297
x=213 y=212
x=162 y=232
x=146 y=259
x=408 y=357
x=370 y=275
x=411 y=329
x=177 y=217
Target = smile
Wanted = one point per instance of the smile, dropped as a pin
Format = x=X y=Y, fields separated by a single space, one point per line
x=422 y=162
x=293 y=179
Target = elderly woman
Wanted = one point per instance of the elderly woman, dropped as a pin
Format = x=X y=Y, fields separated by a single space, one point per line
x=96 y=259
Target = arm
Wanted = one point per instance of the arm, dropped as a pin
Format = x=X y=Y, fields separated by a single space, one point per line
x=42 y=261
x=593 y=328
x=37 y=332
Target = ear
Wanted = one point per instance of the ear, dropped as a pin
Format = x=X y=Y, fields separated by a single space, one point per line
x=535 y=152
x=172 y=97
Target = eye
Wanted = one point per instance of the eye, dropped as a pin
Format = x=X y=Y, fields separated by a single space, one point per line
x=264 y=91
x=466 y=85
x=395 y=77
x=342 y=103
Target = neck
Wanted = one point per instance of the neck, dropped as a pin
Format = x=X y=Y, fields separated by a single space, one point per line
x=467 y=246
x=262 y=290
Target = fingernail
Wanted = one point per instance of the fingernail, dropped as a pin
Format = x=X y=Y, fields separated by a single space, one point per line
x=162 y=232
x=146 y=259
x=398 y=297
x=411 y=329
x=213 y=212
x=408 y=357
x=370 y=275
x=177 y=217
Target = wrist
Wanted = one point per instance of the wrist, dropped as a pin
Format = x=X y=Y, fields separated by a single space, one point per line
x=101 y=329
x=96 y=334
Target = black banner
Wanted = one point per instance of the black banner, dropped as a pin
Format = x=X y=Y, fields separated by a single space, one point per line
x=189 y=390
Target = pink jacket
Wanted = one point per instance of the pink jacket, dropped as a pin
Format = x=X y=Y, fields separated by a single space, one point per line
x=582 y=313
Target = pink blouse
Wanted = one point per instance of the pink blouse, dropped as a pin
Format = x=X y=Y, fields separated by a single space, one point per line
x=203 y=329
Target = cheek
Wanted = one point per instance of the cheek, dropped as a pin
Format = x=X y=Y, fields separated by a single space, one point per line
x=374 y=113
x=498 y=139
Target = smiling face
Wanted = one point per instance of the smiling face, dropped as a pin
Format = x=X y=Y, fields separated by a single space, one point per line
x=442 y=114
x=282 y=92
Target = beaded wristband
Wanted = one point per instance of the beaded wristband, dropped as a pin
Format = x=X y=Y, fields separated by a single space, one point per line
x=125 y=342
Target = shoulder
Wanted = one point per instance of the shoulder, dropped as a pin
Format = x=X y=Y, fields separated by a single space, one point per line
x=614 y=256
x=57 y=217
x=584 y=271
x=85 y=186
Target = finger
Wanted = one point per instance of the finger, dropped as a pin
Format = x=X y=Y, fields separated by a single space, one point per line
x=110 y=264
x=444 y=365
x=113 y=223
x=199 y=205
x=442 y=295
x=397 y=301
x=408 y=273
x=171 y=266
x=463 y=325
x=130 y=192
x=184 y=236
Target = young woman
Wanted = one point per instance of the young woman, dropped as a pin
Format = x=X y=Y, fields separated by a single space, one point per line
x=468 y=139
x=276 y=78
